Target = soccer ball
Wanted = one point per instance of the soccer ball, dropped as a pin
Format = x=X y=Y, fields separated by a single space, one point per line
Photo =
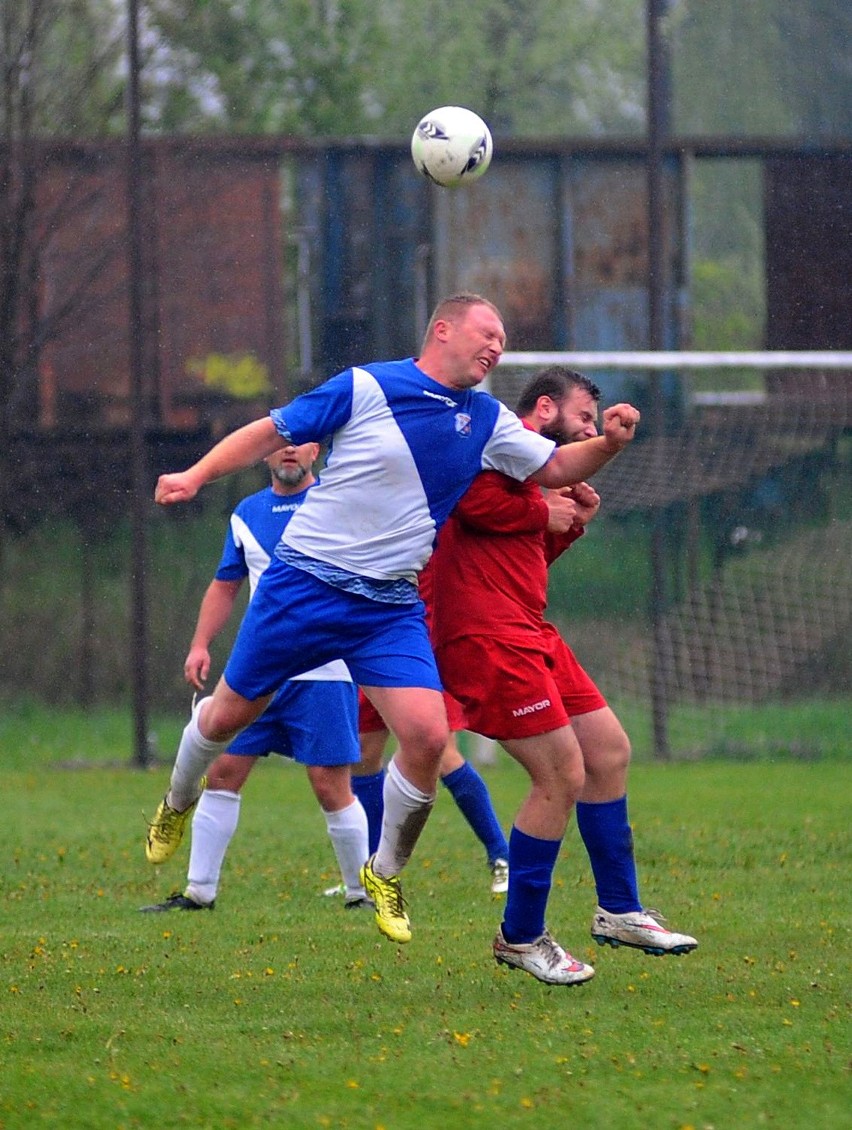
x=451 y=146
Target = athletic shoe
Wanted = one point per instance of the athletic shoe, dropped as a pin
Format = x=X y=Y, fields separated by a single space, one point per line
x=360 y=902
x=641 y=929
x=331 y=892
x=165 y=831
x=386 y=894
x=544 y=958
x=177 y=901
x=499 y=877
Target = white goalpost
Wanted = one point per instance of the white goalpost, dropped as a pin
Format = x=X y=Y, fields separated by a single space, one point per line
x=769 y=359
x=748 y=484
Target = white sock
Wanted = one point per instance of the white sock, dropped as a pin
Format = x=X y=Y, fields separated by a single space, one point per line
x=347 y=830
x=194 y=756
x=213 y=825
x=406 y=812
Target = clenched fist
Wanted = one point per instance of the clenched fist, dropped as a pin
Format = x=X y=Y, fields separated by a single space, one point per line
x=179 y=486
x=619 y=424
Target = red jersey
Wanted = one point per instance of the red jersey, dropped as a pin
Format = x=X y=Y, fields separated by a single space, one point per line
x=489 y=570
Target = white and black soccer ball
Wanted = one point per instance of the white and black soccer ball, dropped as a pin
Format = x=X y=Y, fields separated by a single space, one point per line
x=451 y=146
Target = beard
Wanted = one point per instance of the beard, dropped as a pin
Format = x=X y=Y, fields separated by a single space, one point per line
x=290 y=476
x=557 y=433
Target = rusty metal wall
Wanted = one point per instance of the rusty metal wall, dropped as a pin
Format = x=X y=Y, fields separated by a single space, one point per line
x=211 y=286
x=350 y=267
x=363 y=247
x=558 y=241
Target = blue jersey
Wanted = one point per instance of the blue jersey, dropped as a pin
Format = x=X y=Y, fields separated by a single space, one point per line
x=403 y=450
x=253 y=532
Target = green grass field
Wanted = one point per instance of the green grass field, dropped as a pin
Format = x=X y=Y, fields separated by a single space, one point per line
x=281 y=1009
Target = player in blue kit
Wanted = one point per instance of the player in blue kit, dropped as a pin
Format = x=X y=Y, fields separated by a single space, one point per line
x=407 y=438
x=289 y=725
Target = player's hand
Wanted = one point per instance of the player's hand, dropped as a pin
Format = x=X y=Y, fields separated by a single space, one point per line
x=196 y=667
x=176 y=487
x=587 y=502
x=562 y=511
x=619 y=424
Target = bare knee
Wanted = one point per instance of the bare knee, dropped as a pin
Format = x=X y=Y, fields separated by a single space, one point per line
x=612 y=761
x=559 y=783
x=571 y=782
x=418 y=755
x=229 y=772
x=226 y=713
x=428 y=738
x=606 y=754
x=332 y=786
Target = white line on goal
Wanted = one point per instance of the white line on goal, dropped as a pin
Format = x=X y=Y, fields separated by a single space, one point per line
x=779 y=359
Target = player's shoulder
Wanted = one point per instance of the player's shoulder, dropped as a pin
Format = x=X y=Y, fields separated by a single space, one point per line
x=254 y=503
x=400 y=369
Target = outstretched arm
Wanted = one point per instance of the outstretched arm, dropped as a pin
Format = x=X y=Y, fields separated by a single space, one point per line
x=242 y=448
x=574 y=462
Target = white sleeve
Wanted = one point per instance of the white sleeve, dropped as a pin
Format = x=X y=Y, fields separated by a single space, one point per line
x=515 y=450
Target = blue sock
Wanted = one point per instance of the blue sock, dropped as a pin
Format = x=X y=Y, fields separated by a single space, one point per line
x=471 y=795
x=606 y=832
x=369 y=789
x=531 y=863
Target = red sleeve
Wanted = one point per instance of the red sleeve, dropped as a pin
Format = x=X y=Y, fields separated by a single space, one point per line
x=556 y=544
x=496 y=504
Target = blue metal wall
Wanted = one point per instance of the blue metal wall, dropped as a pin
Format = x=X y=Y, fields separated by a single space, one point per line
x=558 y=241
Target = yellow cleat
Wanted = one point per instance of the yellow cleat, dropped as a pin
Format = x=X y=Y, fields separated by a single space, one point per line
x=165 y=831
x=391 y=918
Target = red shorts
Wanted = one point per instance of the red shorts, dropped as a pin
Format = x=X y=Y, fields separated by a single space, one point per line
x=369 y=719
x=517 y=688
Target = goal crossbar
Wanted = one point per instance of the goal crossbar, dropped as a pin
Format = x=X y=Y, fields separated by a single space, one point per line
x=777 y=359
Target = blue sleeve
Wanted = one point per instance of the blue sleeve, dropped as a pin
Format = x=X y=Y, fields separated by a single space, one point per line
x=232 y=565
x=316 y=415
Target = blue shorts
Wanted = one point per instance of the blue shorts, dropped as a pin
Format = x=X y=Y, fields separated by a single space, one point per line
x=295 y=622
x=289 y=725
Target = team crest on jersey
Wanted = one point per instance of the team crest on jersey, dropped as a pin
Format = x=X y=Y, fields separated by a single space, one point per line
x=463 y=423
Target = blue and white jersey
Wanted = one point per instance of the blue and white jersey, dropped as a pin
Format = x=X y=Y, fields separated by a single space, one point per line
x=403 y=450
x=253 y=532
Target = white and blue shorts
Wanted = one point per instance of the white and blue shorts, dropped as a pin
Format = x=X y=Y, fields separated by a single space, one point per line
x=296 y=622
x=289 y=725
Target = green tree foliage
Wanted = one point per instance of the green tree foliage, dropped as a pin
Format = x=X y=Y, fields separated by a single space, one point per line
x=727 y=283
x=262 y=66
x=815 y=42
x=531 y=67
x=60 y=68
x=764 y=68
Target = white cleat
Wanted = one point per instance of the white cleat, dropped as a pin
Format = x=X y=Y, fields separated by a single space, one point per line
x=642 y=930
x=499 y=877
x=544 y=959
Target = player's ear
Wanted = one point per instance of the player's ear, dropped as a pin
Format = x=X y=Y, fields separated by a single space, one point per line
x=547 y=408
x=441 y=329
